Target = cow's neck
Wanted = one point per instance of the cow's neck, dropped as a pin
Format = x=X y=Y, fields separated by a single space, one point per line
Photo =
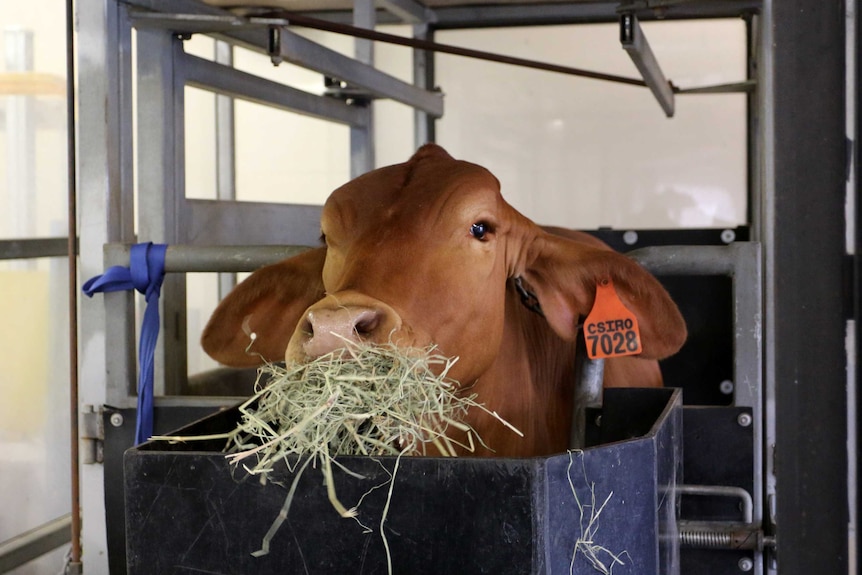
x=533 y=373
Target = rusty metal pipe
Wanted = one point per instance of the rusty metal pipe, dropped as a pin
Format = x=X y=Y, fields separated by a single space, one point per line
x=74 y=565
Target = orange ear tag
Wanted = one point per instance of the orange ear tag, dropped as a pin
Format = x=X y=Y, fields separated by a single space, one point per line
x=611 y=330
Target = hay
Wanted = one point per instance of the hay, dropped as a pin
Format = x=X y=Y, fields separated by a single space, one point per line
x=599 y=557
x=365 y=400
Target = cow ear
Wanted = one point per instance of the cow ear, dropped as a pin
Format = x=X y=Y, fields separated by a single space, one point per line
x=564 y=273
x=269 y=303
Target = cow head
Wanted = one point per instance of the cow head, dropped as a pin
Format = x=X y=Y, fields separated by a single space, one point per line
x=420 y=253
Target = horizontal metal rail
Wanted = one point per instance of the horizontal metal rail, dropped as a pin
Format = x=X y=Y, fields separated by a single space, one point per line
x=191 y=259
x=511 y=15
x=293 y=48
x=202 y=73
x=693 y=260
x=34 y=248
x=35 y=543
x=659 y=260
x=740 y=261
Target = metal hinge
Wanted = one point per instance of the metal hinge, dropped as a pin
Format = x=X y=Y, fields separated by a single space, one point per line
x=92 y=435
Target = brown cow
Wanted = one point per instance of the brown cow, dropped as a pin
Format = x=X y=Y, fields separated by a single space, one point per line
x=425 y=252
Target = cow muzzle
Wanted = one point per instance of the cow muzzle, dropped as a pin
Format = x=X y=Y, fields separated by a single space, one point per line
x=340 y=319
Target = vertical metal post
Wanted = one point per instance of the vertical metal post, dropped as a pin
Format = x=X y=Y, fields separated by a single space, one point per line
x=748 y=362
x=74 y=565
x=423 y=77
x=589 y=384
x=808 y=264
x=104 y=180
x=225 y=152
x=851 y=217
x=362 y=139
x=161 y=187
x=20 y=142
x=761 y=128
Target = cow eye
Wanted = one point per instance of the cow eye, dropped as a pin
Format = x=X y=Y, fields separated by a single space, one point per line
x=479 y=230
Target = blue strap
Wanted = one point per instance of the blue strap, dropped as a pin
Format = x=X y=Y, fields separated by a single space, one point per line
x=145 y=273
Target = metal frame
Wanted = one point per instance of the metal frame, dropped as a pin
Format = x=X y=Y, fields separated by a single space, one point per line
x=163 y=69
x=165 y=215
x=799 y=194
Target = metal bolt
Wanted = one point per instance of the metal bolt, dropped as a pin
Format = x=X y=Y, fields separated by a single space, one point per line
x=117 y=419
x=728 y=236
x=744 y=419
x=726 y=387
x=630 y=237
x=746 y=564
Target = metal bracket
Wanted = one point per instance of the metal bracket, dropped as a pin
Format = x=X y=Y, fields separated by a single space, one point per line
x=635 y=43
x=92 y=435
x=348 y=93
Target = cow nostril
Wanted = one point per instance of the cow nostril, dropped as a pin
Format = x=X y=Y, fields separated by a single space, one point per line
x=367 y=324
x=307 y=327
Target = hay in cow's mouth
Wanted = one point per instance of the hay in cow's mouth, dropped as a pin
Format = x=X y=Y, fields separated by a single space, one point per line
x=363 y=400
x=370 y=400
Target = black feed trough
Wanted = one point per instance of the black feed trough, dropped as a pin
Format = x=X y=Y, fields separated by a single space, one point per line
x=189 y=511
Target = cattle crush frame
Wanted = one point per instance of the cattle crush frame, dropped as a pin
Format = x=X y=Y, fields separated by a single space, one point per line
x=765 y=342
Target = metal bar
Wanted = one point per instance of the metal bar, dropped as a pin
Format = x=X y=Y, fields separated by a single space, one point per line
x=763 y=222
x=106 y=215
x=636 y=45
x=364 y=16
x=225 y=80
x=34 y=543
x=423 y=78
x=519 y=14
x=75 y=566
x=303 y=52
x=408 y=11
x=187 y=259
x=502 y=15
x=295 y=19
x=588 y=393
x=225 y=131
x=161 y=185
x=362 y=151
x=853 y=97
x=745 y=87
x=809 y=266
x=225 y=134
x=723 y=491
x=687 y=260
x=34 y=248
x=232 y=223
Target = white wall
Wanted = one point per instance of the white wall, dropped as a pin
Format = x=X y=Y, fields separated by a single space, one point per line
x=584 y=153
